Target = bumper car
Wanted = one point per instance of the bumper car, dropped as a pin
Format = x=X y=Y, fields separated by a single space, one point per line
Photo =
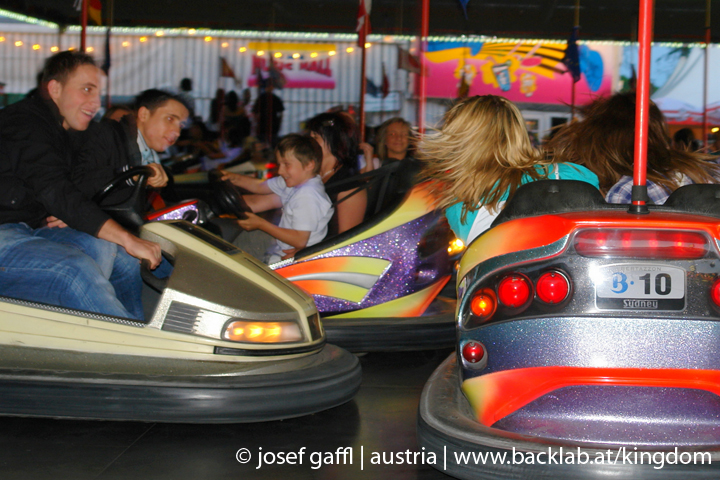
x=377 y=285
x=588 y=335
x=226 y=340
x=594 y=341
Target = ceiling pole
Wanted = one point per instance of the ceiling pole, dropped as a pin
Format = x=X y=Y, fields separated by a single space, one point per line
x=705 y=77
x=642 y=109
x=108 y=100
x=424 y=33
x=576 y=24
x=83 y=22
x=363 y=81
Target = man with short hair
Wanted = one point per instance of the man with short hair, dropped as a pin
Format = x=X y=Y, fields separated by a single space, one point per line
x=109 y=147
x=84 y=266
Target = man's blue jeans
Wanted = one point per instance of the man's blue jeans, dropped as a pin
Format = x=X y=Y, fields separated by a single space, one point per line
x=64 y=267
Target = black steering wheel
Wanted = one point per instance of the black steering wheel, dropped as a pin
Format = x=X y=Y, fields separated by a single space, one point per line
x=129 y=212
x=228 y=195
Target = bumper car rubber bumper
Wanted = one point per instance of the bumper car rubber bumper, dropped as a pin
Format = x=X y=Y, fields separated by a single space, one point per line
x=178 y=391
x=447 y=427
x=435 y=329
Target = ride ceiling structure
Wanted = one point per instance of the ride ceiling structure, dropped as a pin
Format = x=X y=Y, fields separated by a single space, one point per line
x=675 y=20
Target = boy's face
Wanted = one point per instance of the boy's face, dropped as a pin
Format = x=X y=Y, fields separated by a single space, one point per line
x=161 y=128
x=293 y=172
x=78 y=98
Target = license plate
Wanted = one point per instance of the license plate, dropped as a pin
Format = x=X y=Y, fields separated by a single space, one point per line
x=639 y=287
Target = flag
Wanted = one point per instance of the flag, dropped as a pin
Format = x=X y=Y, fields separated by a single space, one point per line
x=95 y=11
x=106 y=63
x=408 y=62
x=372 y=89
x=385 y=88
x=464 y=3
x=226 y=70
x=572 y=56
x=363 y=17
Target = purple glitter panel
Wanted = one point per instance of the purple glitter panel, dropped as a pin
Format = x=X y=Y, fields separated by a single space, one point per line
x=407 y=272
x=180 y=214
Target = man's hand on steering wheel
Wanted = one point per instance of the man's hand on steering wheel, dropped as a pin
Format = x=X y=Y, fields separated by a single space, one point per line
x=159 y=177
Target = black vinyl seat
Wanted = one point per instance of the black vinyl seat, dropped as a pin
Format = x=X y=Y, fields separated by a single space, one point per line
x=698 y=199
x=545 y=197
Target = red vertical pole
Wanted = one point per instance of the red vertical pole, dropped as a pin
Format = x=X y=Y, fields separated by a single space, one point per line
x=363 y=82
x=424 y=33
x=705 y=79
x=83 y=22
x=572 y=93
x=642 y=108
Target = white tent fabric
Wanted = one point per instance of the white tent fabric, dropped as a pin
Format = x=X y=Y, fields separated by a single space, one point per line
x=681 y=97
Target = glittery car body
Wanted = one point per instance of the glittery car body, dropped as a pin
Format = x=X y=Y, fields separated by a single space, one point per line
x=376 y=286
x=625 y=358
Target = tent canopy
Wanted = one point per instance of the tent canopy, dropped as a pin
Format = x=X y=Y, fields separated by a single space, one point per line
x=675 y=20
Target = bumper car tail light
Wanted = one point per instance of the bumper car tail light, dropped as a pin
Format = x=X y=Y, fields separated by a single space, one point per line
x=473 y=352
x=641 y=244
x=552 y=287
x=262 y=332
x=514 y=290
x=715 y=293
x=483 y=304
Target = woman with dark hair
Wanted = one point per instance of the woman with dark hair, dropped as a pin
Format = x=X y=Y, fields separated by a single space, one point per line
x=604 y=142
x=338 y=137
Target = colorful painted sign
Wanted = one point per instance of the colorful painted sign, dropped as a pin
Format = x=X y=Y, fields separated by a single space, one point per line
x=520 y=71
x=302 y=65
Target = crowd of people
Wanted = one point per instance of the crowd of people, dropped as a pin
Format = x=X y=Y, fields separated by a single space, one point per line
x=56 y=159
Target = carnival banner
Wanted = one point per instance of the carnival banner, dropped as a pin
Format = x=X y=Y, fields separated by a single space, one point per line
x=523 y=71
x=301 y=65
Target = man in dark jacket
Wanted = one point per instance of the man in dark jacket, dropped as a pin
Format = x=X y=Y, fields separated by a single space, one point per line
x=85 y=265
x=110 y=147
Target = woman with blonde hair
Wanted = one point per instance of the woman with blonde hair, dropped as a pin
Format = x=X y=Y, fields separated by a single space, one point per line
x=479 y=157
x=394 y=144
x=604 y=142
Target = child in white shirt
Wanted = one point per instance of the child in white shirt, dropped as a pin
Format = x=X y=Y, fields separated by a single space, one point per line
x=298 y=190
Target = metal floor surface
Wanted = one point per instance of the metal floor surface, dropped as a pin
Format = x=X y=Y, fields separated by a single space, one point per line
x=378 y=425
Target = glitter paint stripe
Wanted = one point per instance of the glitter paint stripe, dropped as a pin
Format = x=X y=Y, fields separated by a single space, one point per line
x=363 y=265
x=341 y=290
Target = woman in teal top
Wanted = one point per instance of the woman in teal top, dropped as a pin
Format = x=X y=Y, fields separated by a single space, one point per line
x=479 y=157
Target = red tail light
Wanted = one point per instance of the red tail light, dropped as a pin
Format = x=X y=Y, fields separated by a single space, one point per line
x=514 y=291
x=715 y=292
x=641 y=244
x=483 y=303
x=552 y=287
x=473 y=352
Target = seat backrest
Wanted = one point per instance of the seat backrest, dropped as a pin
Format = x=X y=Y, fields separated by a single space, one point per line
x=545 y=197
x=700 y=199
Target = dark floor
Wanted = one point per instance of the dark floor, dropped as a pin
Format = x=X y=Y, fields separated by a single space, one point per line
x=380 y=419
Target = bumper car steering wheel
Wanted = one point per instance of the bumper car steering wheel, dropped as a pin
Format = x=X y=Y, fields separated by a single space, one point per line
x=129 y=212
x=228 y=195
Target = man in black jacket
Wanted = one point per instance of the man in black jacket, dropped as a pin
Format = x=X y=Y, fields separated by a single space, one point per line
x=110 y=147
x=86 y=265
